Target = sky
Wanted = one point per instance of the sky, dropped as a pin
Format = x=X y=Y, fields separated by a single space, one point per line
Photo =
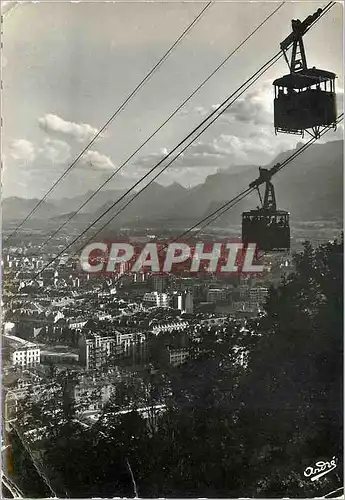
x=67 y=66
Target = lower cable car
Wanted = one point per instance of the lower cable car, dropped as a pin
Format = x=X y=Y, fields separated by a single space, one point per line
x=305 y=99
x=267 y=226
x=269 y=229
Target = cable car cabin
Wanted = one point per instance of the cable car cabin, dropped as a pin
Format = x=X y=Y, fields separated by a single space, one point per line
x=304 y=100
x=269 y=229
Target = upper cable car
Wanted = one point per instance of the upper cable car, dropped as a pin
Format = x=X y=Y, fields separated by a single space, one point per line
x=267 y=226
x=305 y=98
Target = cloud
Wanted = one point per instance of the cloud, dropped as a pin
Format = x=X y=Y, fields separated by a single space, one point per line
x=244 y=135
x=200 y=111
x=25 y=152
x=150 y=160
x=22 y=151
x=203 y=112
x=97 y=160
x=245 y=148
x=199 y=154
x=255 y=107
x=224 y=151
x=54 y=125
x=203 y=150
x=55 y=151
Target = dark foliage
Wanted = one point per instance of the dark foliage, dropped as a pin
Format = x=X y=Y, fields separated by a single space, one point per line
x=230 y=430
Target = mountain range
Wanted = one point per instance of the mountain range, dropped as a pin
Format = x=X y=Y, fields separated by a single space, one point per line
x=309 y=187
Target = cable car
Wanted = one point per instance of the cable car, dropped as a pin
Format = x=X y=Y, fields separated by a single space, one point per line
x=269 y=229
x=305 y=99
x=267 y=226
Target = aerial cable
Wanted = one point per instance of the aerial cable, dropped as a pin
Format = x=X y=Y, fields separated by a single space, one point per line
x=11 y=486
x=263 y=68
x=335 y=491
x=279 y=55
x=159 y=128
x=228 y=205
x=231 y=203
x=106 y=125
x=209 y=219
x=162 y=170
x=276 y=57
x=269 y=63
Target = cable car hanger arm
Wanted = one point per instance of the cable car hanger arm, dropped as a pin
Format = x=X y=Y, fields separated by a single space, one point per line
x=265 y=175
x=299 y=28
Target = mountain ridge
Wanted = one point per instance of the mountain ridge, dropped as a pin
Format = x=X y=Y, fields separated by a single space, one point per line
x=310 y=187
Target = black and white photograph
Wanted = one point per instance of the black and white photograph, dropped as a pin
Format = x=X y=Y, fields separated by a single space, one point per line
x=172 y=249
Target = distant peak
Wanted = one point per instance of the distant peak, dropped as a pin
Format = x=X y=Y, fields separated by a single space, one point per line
x=176 y=185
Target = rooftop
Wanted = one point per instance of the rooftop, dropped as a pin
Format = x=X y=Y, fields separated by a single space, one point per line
x=18 y=343
x=305 y=78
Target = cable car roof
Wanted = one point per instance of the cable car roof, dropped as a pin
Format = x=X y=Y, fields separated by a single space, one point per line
x=303 y=78
x=263 y=211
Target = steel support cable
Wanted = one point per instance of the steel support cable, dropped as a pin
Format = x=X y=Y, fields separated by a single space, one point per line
x=231 y=203
x=224 y=103
x=111 y=119
x=11 y=486
x=138 y=193
x=34 y=461
x=160 y=127
x=325 y=10
x=228 y=205
x=276 y=57
x=328 y=495
x=246 y=192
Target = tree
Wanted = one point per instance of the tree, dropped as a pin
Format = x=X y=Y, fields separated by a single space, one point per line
x=292 y=397
x=230 y=429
